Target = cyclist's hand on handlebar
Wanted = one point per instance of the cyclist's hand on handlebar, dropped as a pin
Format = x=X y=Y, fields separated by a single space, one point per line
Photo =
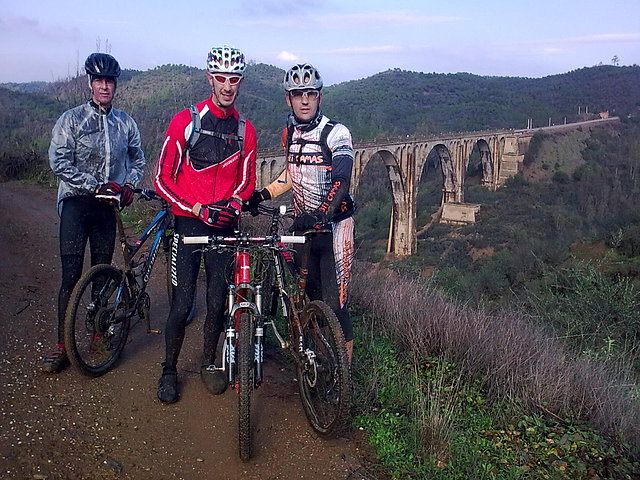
x=220 y=214
x=257 y=197
x=126 y=196
x=108 y=189
x=308 y=221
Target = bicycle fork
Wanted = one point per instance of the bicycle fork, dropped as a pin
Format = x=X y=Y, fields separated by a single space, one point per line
x=236 y=306
x=231 y=337
x=229 y=347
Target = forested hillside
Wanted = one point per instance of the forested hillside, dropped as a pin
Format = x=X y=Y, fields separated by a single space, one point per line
x=400 y=103
x=391 y=103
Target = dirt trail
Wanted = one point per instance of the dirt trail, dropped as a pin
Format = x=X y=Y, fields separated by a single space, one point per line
x=69 y=426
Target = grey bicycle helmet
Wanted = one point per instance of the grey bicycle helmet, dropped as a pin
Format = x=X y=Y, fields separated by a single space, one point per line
x=226 y=59
x=101 y=65
x=302 y=76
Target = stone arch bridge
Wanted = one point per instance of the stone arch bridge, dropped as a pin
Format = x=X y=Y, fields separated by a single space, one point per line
x=501 y=154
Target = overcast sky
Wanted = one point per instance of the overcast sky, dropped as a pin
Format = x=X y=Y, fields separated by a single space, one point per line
x=48 y=39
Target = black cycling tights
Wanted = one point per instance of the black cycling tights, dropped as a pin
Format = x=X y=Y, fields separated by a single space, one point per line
x=321 y=279
x=185 y=261
x=82 y=219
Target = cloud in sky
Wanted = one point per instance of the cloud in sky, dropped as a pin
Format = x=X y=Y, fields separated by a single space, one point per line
x=606 y=38
x=15 y=28
x=285 y=56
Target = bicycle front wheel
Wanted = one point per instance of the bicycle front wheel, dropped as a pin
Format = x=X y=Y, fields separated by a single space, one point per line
x=245 y=379
x=323 y=373
x=97 y=322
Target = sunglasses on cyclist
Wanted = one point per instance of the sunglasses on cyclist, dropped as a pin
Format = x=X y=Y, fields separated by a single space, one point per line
x=233 y=80
x=312 y=94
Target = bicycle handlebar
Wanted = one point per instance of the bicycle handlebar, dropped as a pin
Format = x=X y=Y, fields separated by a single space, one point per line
x=240 y=238
x=144 y=194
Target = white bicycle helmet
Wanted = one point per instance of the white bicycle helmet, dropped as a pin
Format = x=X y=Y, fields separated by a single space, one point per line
x=302 y=76
x=226 y=59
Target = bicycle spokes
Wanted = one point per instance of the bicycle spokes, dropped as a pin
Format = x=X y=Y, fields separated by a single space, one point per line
x=323 y=370
x=97 y=322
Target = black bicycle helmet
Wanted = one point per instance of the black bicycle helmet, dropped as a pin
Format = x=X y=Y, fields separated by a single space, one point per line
x=101 y=65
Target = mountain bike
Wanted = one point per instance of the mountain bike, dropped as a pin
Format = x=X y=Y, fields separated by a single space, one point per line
x=105 y=299
x=267 y=288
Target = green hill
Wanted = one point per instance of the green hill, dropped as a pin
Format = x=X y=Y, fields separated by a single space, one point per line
x=400 y=103
x=388 y=104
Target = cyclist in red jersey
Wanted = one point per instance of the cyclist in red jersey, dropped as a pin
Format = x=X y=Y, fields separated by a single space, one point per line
x=319 y=166
x=207 y=168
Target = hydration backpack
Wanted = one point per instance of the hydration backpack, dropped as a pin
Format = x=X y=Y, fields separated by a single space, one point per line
x=197 y=130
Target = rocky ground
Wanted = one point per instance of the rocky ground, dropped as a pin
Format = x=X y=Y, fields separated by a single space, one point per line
x=69 y=426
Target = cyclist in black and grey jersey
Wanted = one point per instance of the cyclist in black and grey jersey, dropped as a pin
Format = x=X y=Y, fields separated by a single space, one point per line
x=95 y=149
x=319 y=166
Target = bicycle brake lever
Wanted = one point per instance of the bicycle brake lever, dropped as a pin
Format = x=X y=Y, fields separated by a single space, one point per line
x=146 y=194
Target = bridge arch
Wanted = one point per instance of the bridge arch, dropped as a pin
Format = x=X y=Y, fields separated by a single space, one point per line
x=401 y=220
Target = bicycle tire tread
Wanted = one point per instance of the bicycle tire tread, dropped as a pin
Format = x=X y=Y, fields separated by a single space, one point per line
x=71 y=318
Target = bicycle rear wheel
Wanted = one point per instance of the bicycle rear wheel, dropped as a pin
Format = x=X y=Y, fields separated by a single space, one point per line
x=245 y=379
x=323 y=374
x=97 y=322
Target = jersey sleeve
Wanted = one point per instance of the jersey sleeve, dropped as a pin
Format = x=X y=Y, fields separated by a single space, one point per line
x=137 y=160
x=280 y=185
x=340 y=143
x=170 y=161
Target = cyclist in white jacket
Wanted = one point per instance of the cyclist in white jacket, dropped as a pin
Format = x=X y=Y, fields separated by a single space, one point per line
x=95 y=149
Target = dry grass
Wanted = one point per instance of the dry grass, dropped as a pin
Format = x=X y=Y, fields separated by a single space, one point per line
x=434 y=406
x=521 y=361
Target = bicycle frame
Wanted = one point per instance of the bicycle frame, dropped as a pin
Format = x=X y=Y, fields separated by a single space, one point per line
x=159 y=224
x=141 y=268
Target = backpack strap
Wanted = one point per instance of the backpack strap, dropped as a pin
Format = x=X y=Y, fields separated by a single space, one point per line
x=326 y=130
x=242 y=127
x=287 y=136
x=196 y=127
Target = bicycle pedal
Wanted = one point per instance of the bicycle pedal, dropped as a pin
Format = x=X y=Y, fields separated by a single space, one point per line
x=213 y=368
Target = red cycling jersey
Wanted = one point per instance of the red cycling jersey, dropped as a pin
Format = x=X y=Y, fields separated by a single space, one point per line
x=212 y=169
